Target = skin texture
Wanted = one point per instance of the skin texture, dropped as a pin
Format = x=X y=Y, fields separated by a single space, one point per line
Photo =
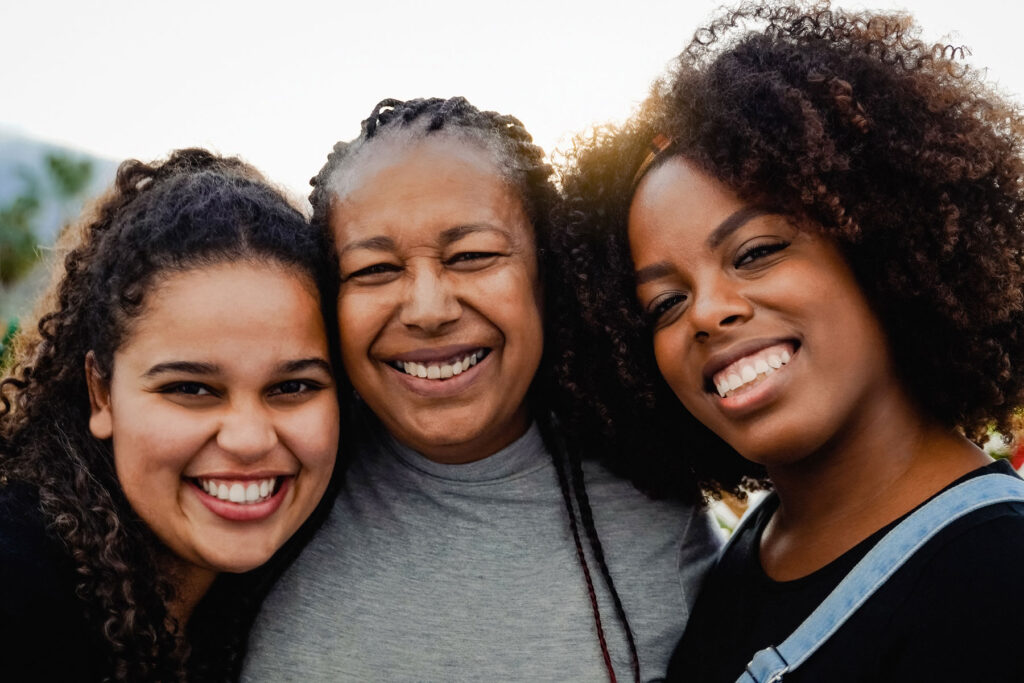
x=438 y=260
x=719 y=282
x=258 y=402
x=764 y=284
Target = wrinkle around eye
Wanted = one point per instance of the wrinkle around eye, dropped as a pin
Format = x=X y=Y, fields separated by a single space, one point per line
x=473 y=260
x=378 y=272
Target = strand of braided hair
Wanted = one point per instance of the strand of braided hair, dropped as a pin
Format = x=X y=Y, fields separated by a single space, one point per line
x=523 y=164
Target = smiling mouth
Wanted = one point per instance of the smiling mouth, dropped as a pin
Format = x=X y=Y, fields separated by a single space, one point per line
x=246 y=492
x=749 y=371
x=441 y=370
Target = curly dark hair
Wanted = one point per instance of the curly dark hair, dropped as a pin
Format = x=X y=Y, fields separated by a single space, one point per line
x=523 y=164
x=847 y=121
x=192 y=210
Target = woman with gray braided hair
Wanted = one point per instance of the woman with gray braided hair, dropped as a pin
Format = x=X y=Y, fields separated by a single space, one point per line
x=473 y=539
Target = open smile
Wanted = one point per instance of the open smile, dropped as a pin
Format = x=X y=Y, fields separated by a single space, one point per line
x=242 y=500
x=242 y=492
x=440 y=369
x=750 y=370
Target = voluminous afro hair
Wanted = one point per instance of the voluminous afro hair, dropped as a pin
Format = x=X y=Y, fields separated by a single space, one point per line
x=846 y=121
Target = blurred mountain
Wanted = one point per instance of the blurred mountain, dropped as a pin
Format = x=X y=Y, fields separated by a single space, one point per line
x=43 y=186
x=23 y=165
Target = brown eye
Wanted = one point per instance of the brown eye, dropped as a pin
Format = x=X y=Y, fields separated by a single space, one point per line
x=188 y=389
x=376 y=271
x=471 y=257
x=292 y=387
x=758 y=252
x=661 y=307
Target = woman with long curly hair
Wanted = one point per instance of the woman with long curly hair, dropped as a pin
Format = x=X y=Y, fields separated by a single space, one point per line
x=473 y=537
x=170 y=424
x=811 y=234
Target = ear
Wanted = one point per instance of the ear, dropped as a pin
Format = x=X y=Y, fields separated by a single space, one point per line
x=101 y=422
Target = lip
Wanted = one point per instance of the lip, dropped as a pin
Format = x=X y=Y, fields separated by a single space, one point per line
x=755 y=398
x=436 y=355
x=432 y=388
x=243 y=513
x=240 y=476
x=722 y=359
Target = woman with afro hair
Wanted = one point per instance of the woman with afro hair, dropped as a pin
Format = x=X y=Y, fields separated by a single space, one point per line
x=805 y=248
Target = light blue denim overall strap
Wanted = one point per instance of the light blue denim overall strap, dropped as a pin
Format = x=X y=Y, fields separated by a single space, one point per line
x=875 y=568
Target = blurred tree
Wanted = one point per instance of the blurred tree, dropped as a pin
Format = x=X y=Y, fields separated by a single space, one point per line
x=18 y=239
x=67 y=180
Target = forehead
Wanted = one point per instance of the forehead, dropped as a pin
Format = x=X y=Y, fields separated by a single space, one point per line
x=679 y=199
x=229 y=303
x=413 y=190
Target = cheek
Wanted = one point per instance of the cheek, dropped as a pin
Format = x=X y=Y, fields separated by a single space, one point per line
x=155 y=442
x=361 y=317
x=670 y=352
x=314 y=435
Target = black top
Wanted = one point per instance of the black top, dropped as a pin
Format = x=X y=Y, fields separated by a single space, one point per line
x=43 y=632
x=953 y=612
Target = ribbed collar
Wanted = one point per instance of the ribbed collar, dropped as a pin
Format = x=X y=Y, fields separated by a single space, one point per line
x=523 y=455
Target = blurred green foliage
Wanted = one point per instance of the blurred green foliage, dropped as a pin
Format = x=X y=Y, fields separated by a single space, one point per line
x=65 y=180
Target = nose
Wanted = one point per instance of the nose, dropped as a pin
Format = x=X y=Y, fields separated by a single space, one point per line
x=429 y=301
x=720 y=306
x=247 y=432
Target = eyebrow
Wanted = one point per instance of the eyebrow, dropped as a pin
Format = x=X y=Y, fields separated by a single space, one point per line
x=305 y=364
x=654 y=271
x=187 y=367
x=452 y=235
x=731 y=224
x=379 y=243
x=194 y=368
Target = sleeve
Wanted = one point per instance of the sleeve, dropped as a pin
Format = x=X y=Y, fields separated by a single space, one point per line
x=40 y=619
x=698 y=551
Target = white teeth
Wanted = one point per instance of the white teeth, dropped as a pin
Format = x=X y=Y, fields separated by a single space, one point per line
x=239 y=492
x=440 y=370
x=750 y=369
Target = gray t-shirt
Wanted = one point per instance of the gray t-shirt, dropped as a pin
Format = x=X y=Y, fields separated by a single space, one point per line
x=430 y=572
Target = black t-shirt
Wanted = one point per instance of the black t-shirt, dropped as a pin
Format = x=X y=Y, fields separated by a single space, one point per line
x=953 y=612
x=44 y=635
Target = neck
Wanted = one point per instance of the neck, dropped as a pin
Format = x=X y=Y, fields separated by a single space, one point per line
x=857 y=483
x=191 y=583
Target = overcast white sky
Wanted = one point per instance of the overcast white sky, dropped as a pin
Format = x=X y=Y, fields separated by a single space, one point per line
x=279 y=83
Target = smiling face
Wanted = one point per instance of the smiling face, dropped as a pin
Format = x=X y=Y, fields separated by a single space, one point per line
x=439 y=307
x=222 y=412
x=760 y=328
